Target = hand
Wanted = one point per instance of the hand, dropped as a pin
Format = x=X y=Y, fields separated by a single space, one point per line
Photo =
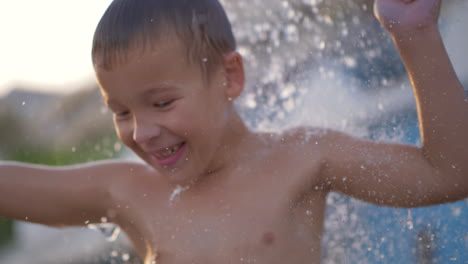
x=402 y=17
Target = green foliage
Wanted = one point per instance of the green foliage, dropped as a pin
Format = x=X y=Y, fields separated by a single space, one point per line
x=6 y=231
x=91 y=150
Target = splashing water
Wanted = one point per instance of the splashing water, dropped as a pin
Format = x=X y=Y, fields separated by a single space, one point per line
x=177 y=191
x=409 y=222
x=110 y=231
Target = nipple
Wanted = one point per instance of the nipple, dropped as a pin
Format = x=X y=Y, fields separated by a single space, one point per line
x=268 y=238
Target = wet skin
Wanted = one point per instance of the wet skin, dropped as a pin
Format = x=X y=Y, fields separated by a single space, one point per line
x=246 y=200
x=259 y=210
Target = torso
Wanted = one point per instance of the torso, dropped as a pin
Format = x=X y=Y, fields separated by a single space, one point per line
x=263 y=210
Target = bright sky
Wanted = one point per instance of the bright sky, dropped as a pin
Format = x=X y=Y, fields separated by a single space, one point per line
x=47 y=43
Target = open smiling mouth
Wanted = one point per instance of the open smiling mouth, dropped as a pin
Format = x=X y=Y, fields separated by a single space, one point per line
x=170 y=155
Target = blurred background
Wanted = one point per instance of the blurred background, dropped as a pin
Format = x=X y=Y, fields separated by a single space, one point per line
x=310 y=62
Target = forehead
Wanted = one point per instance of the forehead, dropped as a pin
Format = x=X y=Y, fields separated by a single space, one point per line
x=163 y=63
x=116 y=56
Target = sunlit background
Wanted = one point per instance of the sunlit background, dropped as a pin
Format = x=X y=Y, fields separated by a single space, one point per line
x=310 y=62
x=46 y=45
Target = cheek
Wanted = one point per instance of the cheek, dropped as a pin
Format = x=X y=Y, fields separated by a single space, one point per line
x=124 y=133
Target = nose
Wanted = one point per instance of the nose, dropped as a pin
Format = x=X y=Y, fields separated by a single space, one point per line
x=144 y=131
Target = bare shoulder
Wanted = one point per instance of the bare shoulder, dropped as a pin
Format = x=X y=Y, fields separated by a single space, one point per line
x=130 y=183
x=125 y=176
x=306 y=142
x=112 y=171
x=118 y=177
x=300 y=152
x=297 y=136
x=121 y=179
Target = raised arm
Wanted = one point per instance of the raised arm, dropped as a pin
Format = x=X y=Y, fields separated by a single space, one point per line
x=72 y=195
x=398 y=175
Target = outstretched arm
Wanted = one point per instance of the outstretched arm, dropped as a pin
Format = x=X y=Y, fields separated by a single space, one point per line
x=398 y=175
x=60 y=196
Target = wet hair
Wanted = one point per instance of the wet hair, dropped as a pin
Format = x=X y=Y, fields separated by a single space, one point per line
x=201 y=25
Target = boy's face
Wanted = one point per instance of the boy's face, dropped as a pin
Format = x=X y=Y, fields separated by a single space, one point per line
x=165 y=112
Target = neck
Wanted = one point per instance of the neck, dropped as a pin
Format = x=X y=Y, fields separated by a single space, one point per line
x=235 y=135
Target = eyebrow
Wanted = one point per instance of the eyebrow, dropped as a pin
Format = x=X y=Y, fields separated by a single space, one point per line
x=150 y=91
x=158 y=89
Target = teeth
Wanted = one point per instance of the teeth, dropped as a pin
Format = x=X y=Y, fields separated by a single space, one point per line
x=169 y=151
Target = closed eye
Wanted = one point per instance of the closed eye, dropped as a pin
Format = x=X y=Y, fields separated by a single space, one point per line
x=163 y=104
x=122 y=114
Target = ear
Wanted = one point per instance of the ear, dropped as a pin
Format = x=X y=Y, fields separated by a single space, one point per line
x=235 y=75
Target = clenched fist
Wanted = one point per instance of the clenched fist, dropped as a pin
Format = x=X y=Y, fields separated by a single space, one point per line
x=404 y=17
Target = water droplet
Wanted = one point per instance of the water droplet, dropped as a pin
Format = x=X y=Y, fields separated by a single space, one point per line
x=322 y=45
x=125 y=257
x=114 y=253
x=205 y=60
x=23 y=103
x=109 y=231
x=309 y=213
x=409 y=221
x=349 y=62
x=456 y=211
x=73 y=149
x=344 y=179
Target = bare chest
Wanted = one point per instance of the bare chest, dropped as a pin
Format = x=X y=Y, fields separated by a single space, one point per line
x=245 y=226
x=264 y=214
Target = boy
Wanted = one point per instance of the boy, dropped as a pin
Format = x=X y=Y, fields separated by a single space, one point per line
x=212 y=191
